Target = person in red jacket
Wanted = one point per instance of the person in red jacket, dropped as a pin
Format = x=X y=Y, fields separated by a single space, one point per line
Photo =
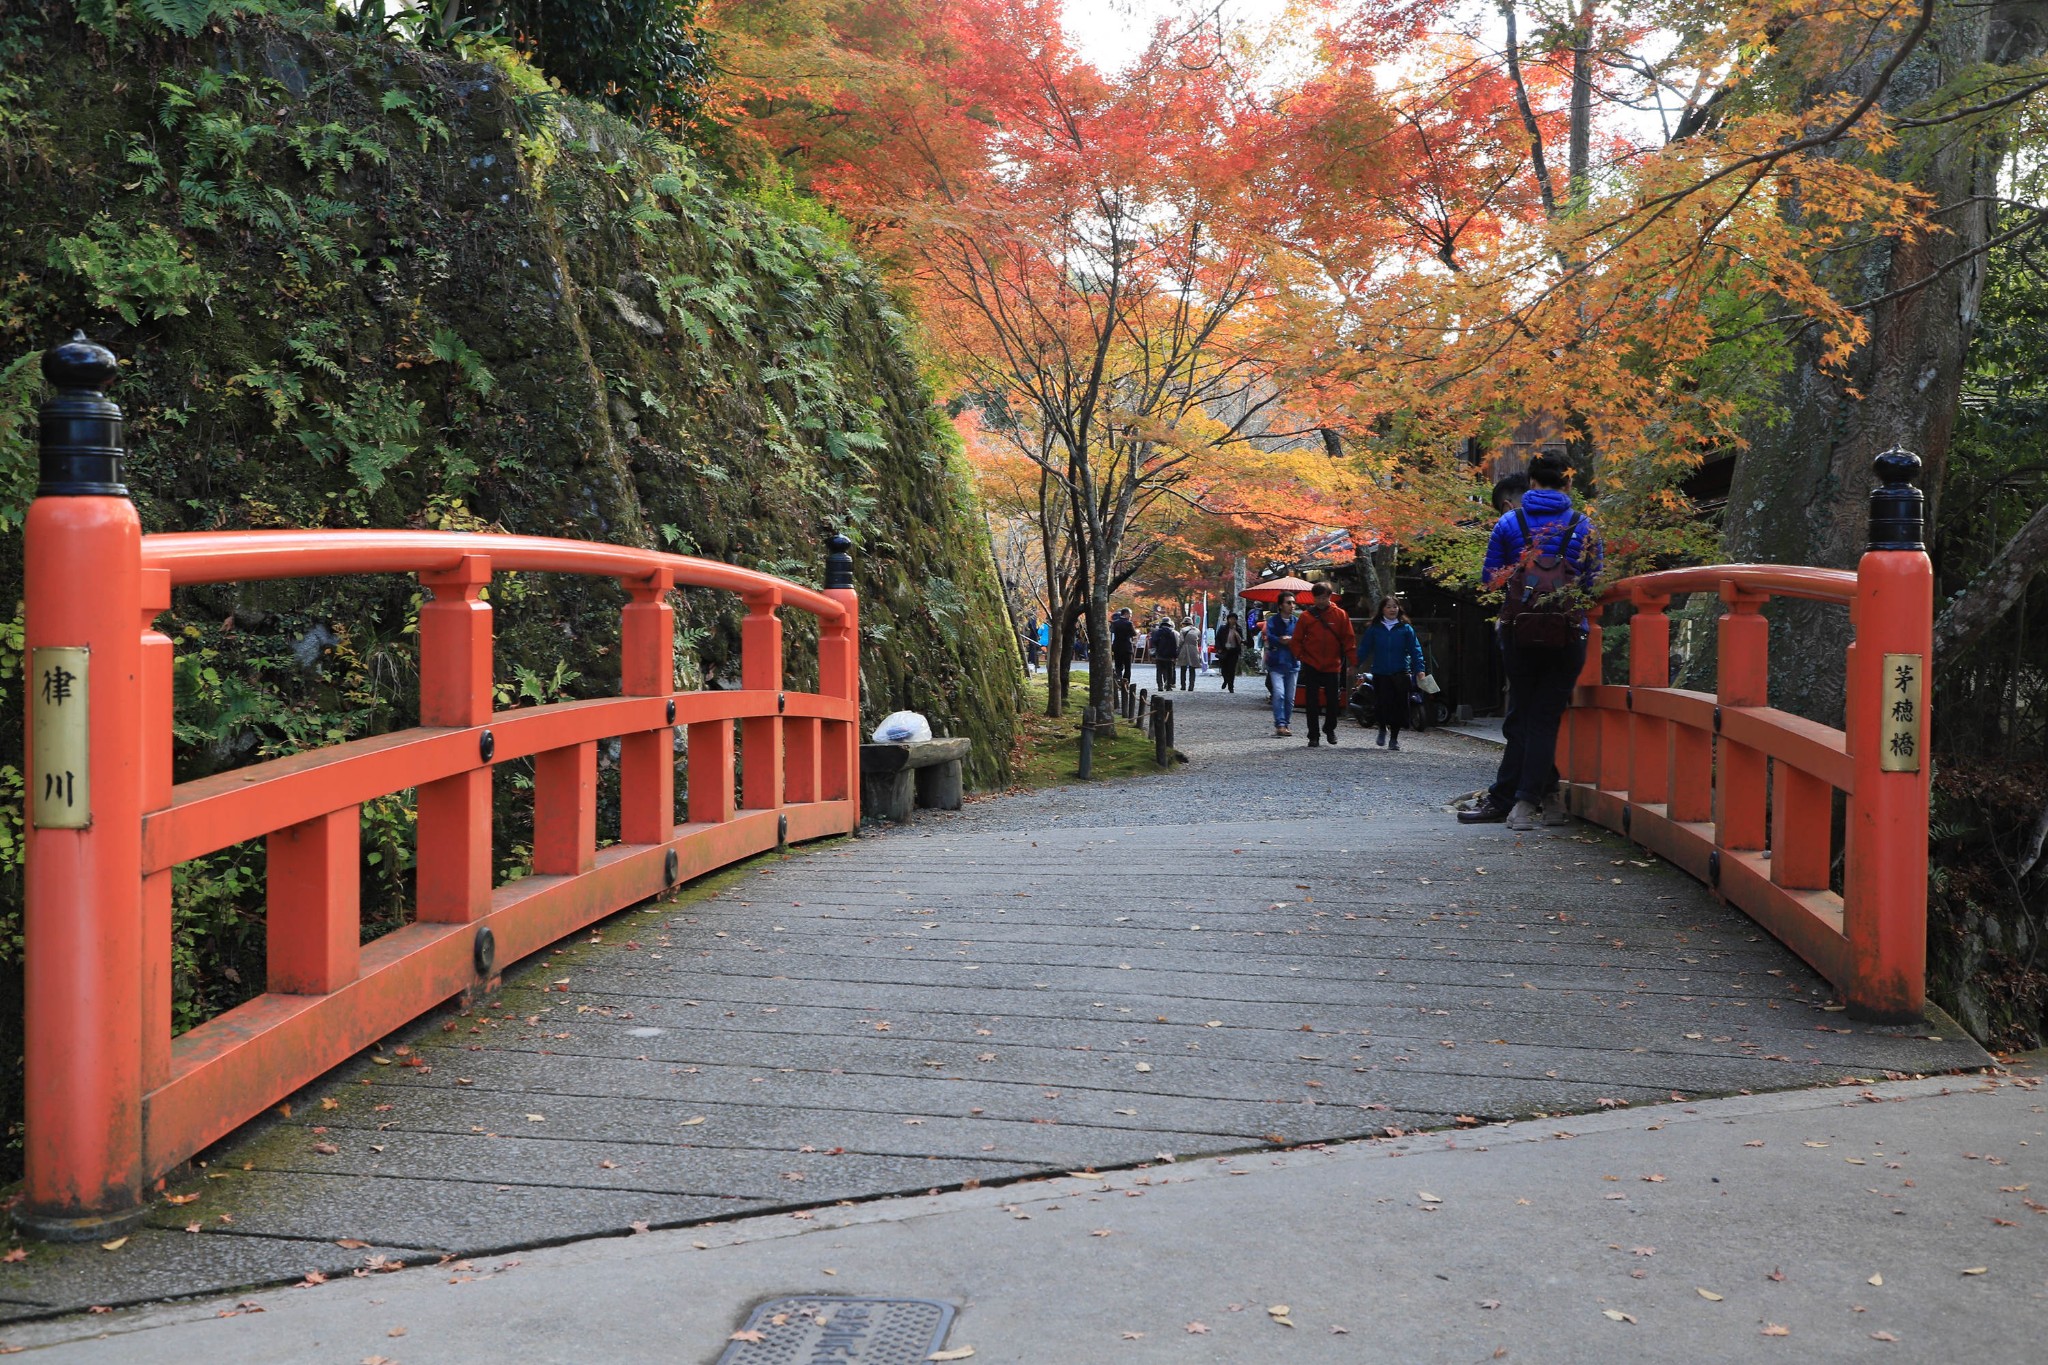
x=1324 y=644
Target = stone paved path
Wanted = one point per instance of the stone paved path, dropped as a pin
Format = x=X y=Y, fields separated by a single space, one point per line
x=1270 y=945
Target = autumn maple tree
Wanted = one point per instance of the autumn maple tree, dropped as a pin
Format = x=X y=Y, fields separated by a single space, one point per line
x=1262 y=282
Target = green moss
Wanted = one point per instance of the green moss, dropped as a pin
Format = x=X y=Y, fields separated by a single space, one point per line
x=355 y=284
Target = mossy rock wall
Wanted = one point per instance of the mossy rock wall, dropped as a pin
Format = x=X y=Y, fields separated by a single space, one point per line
x=355 y=284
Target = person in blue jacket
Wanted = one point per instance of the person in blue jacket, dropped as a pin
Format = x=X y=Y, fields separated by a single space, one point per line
x=1540 y=677
x=1281 y=668
x=1391 y=651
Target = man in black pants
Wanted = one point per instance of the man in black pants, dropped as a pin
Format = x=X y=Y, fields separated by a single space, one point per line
x=1540 y=676
x=1165 y=644
x=1122 y=634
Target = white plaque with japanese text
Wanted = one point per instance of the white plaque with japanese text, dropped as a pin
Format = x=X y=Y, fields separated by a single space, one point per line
x=1902 y=715
x=60 y=711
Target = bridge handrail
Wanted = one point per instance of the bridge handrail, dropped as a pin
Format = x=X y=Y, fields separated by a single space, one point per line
x=1743 y=795
x=113 y=1101
x=1777 y=580
x=248 y=556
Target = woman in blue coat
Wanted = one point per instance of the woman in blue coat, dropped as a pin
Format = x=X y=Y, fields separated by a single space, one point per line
x=1391 y=651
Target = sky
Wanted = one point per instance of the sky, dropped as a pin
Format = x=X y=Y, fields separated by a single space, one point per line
x=1110 y=33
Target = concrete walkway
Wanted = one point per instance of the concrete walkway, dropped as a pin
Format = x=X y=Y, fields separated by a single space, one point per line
x=1270 y=946
x=1888 y=1222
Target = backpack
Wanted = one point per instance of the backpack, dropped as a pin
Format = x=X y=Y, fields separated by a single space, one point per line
x=1537 y=610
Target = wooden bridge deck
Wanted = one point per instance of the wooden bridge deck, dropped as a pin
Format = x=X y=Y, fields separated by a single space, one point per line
x=1271 y=945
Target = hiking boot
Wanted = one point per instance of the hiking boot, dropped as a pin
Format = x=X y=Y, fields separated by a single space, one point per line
x=1525 y=816
x=1382 y=740
x=1313 y=741
x=1487 y=812
x=1394 y=744
x=1554 y=812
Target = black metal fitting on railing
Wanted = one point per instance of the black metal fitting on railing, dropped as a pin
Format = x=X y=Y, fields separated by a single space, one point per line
x=1898 y=510
x=838 y=563
x=81 y=427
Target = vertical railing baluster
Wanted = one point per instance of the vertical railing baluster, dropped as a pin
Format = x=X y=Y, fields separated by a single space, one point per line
x=1887 y=724
x=565 y=810
x=1649 y=666
x=454 y=828
x=839 y=676
x=313 y=928
x=1579 y=760
x=761 y=671
x=647 y=760
x=83 y=918
x=158 y=662
x=1743 y=679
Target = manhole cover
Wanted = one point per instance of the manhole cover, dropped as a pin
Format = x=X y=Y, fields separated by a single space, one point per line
x=818 y=1329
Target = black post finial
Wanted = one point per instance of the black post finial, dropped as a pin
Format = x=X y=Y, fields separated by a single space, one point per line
x=81 y=446
x=1897 y=508
x=839 y=562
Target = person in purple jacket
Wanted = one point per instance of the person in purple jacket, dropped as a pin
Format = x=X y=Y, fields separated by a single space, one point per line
x=1540 y=677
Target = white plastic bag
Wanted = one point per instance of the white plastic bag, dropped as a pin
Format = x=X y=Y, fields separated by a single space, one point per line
x=1427 y=684
x=903 y=727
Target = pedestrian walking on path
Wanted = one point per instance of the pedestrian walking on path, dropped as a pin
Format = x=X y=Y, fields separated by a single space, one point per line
x=1190 y=652
x=1123 y=635
x=1545 y=556
x=1391 y=651
x=1229 y=649
x=1323 y=645
x=1281 y=667
x=1165 y=651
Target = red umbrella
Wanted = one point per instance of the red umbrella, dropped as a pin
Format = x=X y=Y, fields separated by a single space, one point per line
x=1270 y=590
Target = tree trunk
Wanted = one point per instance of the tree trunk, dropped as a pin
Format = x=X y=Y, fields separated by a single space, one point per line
x=1994 y=592
x=1800 y=491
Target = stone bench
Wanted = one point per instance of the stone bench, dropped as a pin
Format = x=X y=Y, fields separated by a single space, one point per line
x=891 y=774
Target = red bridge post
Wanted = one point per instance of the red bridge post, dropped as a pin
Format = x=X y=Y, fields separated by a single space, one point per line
x=1885 y=900
x=85 y=988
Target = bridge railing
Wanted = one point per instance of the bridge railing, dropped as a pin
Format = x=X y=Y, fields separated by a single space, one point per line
x=1743 y=795
x=113 y=1100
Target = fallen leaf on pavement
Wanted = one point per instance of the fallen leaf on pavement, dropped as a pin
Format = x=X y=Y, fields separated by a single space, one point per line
x=957 y=1353
x=1143 y=1066
x=1616 y=1315
x=350 y=1243
x=1973 y=1270
x=120 y=1242
x=744 y=1335
x=1882 y=1336
x=1426 y=1197
x=179 y=1198
x=1875 y=1279
x=1709 y=1295
x=691 y=1123
x=395 y=1332
x=1199 y=1329
x=313 y=1277
x=1772 y=1329
x=17 y=1254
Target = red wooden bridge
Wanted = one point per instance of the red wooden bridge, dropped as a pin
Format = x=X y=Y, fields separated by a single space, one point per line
x=1743 y=796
